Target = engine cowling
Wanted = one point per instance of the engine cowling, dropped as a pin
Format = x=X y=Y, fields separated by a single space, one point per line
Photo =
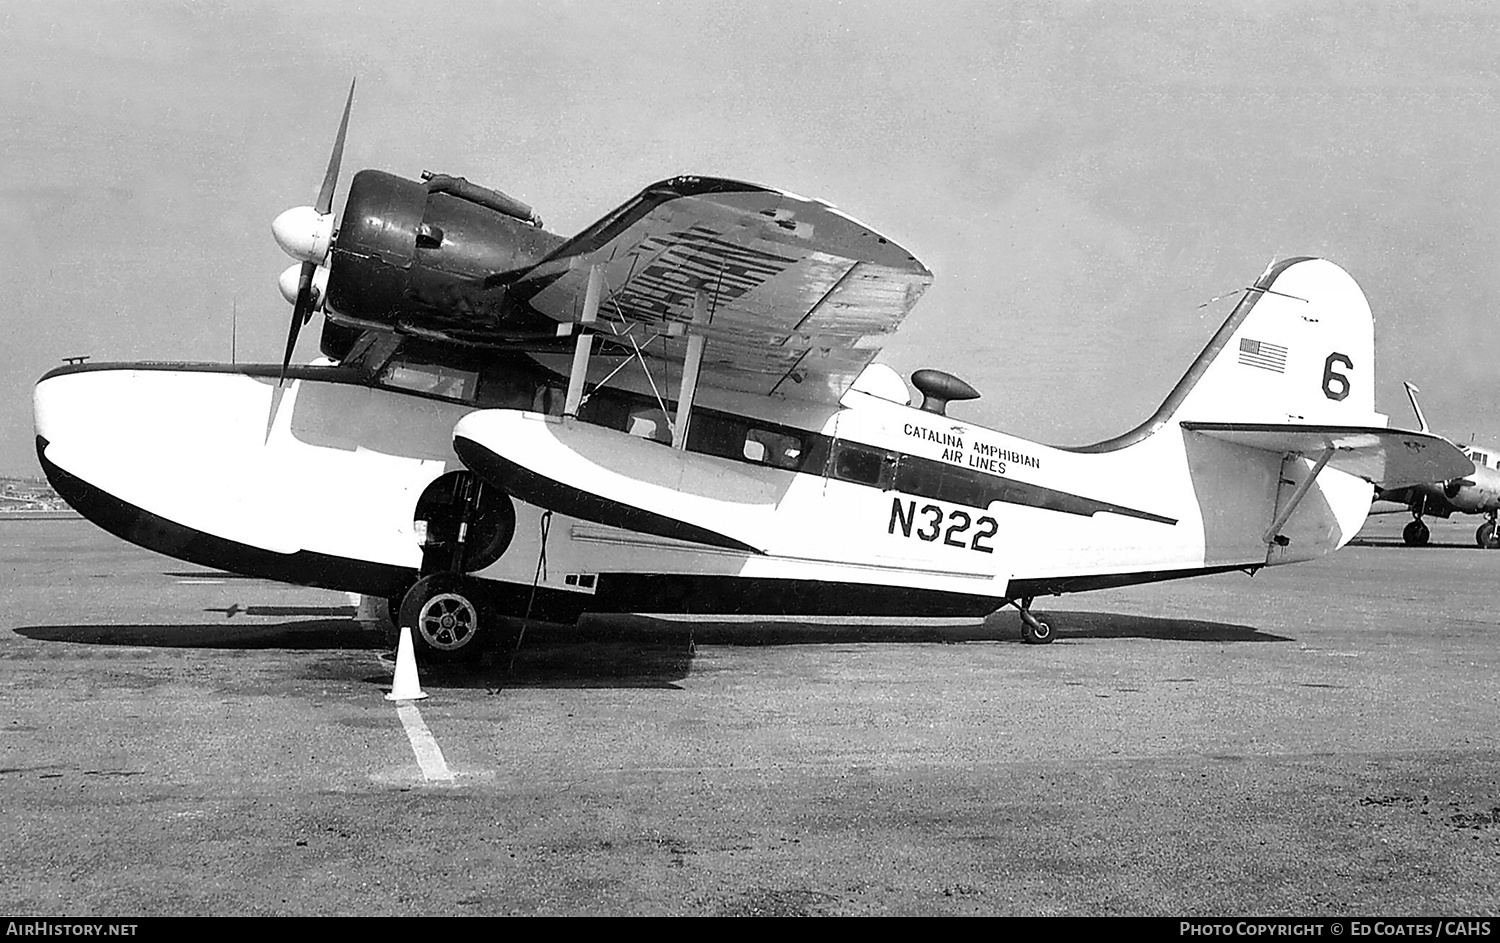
x=414 y=255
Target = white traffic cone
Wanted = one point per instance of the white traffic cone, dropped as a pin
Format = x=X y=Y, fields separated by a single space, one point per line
x=406 y=687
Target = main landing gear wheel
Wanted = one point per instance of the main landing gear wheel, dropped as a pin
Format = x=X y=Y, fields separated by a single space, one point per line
x=445 y=621
x=1486 y=536
x=1416 y=534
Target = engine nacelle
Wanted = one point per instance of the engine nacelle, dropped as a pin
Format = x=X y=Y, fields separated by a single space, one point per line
x=413 y=254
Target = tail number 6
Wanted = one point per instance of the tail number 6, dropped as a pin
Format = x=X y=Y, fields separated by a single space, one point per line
x=1335 y=384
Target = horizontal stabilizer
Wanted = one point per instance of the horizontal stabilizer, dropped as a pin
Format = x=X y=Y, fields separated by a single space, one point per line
x=1387 y=458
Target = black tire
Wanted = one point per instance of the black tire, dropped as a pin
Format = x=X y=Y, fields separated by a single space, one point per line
x=1038 y=634
x=1416 y=534
x=1485 y=536
x=447 y=623
x=391 y=630
x=393 y=609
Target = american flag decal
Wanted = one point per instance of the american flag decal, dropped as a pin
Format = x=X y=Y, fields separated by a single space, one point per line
x=1262 y=355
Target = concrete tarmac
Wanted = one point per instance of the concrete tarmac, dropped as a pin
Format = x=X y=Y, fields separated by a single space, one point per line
x=1319 y=739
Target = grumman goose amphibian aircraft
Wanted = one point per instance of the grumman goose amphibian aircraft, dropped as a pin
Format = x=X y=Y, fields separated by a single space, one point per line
x=676 y=410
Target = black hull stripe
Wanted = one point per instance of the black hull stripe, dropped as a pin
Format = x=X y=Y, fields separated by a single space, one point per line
x=929 y=478
x=564 y=499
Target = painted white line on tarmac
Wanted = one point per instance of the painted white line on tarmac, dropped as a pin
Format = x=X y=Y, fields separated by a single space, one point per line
x=200 y=582
x=429 y=754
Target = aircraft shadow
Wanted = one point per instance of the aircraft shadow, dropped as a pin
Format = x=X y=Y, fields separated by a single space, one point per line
x=1103 y=625
x=330 y=633
x=1001 y=627
x=613 y=651
x=589 y=655
x=1396 y=543
x=642 y=651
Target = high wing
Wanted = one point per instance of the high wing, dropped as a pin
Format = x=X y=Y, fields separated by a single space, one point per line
x=799 y=297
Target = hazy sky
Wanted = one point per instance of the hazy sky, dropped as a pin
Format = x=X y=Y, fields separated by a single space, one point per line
x=1079 y=177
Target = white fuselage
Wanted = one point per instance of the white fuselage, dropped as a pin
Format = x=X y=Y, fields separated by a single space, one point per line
x=317 y=482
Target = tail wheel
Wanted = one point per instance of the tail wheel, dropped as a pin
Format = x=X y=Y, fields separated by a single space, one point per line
x=1033 y=630
x=1416 y=534
x=446 y=622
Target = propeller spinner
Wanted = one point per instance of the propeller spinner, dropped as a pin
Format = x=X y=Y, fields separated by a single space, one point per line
x=305 y=233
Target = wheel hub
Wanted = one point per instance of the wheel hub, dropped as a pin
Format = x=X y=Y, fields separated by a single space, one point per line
x=448 y=621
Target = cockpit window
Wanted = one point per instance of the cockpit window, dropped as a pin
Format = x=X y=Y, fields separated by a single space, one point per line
x=432 y=379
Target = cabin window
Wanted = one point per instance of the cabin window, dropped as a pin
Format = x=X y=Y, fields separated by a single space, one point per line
x=927 y=478
x=716 y=435
x=915 y=476
x=432 y=379
x=773 y=448
x=859 y=464
x=648 y=422
x=711 y=433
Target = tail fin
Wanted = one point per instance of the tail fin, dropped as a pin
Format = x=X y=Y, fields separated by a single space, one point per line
x=1298 y=349
x=1411 y=394
x=1289 y=383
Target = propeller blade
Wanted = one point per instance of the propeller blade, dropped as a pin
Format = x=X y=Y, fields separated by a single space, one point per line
x=303 y=308
x=331 y=178
x=301 y=314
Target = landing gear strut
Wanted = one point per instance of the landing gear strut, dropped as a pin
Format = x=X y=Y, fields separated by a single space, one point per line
x=1033 y=630
x=464 y=526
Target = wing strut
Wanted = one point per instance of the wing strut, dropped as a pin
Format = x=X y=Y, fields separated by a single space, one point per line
x=1273 y=534
x=583 y=345
x=691 y=366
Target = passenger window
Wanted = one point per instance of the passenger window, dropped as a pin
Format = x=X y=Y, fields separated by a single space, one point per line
x=773 y=448
x=859 y=464
x=648 y=422
x=716 y=435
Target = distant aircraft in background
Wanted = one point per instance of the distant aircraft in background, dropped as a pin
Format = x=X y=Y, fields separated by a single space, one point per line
x=1475 y=493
